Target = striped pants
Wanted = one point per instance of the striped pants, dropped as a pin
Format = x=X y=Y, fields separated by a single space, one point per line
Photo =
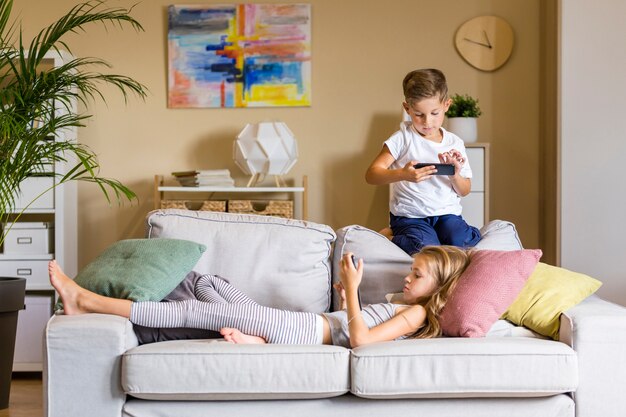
x=218 y=304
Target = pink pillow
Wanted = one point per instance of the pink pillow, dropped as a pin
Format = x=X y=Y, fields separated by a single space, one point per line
x=489 y=285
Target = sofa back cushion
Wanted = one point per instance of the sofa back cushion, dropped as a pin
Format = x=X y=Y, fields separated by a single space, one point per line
x=385 y=264
x=281 y=263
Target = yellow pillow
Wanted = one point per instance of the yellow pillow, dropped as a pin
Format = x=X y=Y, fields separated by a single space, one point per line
x=548 y=292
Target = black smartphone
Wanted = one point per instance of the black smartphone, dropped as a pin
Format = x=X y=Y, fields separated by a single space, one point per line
x=442 y=169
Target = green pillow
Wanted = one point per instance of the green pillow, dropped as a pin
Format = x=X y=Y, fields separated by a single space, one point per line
x=549 y=291
x=140 y=269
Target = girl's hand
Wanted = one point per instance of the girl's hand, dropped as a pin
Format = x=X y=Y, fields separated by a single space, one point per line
x=350 y=277
x=342 y=295
x=454 y=157
x=417 y=175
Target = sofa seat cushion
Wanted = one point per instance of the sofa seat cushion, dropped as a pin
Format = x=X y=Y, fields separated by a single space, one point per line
x=461 y=367
x=218 y=370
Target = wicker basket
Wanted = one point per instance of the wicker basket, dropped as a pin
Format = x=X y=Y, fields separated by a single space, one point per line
x=174 y=204
x=278 y=208
x=213 y=205
x=208 y=205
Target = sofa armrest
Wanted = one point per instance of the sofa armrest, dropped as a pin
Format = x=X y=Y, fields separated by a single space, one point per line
x=82 y=365
x=596 y=330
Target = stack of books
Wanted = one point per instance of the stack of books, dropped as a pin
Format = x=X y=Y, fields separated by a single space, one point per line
x=205 y=178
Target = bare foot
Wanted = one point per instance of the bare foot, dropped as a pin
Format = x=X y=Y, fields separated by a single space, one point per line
x=68 y=290
x=235 y=336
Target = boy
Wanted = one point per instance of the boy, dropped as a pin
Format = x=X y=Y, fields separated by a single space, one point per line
x=425 y=208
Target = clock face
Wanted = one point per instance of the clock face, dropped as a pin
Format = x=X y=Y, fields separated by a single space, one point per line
x=485 y=42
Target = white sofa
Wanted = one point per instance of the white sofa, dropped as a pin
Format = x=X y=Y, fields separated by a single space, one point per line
x=96 y=367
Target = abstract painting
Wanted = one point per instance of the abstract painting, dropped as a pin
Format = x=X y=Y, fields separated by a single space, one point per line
x=240 y=55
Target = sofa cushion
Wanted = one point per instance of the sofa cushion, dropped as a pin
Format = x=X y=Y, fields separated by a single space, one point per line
x=385 y=264
x=487 y=287
x=499 y=235
x=218 y=370
x=140 y=269
x=277 y=262
x=550 y=290
x=460 y=367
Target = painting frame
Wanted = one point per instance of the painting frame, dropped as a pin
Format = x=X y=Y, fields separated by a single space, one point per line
x=239 y=55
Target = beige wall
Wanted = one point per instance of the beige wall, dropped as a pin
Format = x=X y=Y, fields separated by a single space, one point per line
x=361 y=51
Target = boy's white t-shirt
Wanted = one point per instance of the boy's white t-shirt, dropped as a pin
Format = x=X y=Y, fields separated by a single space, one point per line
x=433 y=197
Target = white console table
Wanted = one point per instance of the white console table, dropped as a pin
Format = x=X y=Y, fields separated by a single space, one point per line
x=299 y=204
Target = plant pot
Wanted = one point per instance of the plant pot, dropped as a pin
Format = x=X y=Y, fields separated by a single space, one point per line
x=12 y=292
x=464 y=127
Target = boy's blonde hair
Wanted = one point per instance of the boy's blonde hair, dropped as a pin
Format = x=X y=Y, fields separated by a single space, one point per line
x=425 y=83
x=446 y=264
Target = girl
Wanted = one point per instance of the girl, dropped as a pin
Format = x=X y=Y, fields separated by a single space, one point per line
x=221 y=307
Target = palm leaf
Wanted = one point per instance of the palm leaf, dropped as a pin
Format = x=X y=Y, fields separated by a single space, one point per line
x=37 y=104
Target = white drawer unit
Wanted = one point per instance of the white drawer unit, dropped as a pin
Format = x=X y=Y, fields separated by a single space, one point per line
x=29 y=238
x=31 y=324
x=30 y=189
x=473 y=209
x=476 y=203
x=34 y=270
x=477 y=157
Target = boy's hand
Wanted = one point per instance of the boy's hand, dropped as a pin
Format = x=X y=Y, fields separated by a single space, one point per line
x=454 y=157
x=350 y=277
x=417 y=175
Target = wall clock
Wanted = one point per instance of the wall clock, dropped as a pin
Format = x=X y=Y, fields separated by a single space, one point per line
x=485 y=42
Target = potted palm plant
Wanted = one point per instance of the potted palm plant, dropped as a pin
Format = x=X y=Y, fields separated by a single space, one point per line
x=37 y=103
x=462 y=117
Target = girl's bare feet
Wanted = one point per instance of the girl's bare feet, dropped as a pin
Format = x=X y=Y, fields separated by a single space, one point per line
x=78 y=300
x=235 y=336
x=68 y=290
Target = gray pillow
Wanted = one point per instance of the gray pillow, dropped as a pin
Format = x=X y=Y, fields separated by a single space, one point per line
x=499 y=235
x=282 y=263
x=385 y=264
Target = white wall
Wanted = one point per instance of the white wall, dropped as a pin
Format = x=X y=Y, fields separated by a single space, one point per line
x=593 y=142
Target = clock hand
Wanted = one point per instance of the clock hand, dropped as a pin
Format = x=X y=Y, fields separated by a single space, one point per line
x=478 y=43
x=487 y=37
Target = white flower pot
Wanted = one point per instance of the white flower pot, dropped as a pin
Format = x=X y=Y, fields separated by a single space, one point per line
x=464 y=127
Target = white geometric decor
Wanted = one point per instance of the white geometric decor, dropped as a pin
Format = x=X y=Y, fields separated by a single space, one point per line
x=266 y=148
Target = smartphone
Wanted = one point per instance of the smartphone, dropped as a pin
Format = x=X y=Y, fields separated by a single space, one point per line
x=355 y=262
x=442 y=169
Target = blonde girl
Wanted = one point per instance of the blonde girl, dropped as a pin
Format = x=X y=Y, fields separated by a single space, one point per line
x=220 y=307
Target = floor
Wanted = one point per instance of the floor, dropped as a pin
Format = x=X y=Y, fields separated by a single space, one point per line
x=26 y=396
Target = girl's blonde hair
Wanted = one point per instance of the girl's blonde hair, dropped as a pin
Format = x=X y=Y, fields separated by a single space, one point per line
x=446 y=264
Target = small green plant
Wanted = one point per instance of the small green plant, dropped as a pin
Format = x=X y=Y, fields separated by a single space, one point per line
x=463 y=106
